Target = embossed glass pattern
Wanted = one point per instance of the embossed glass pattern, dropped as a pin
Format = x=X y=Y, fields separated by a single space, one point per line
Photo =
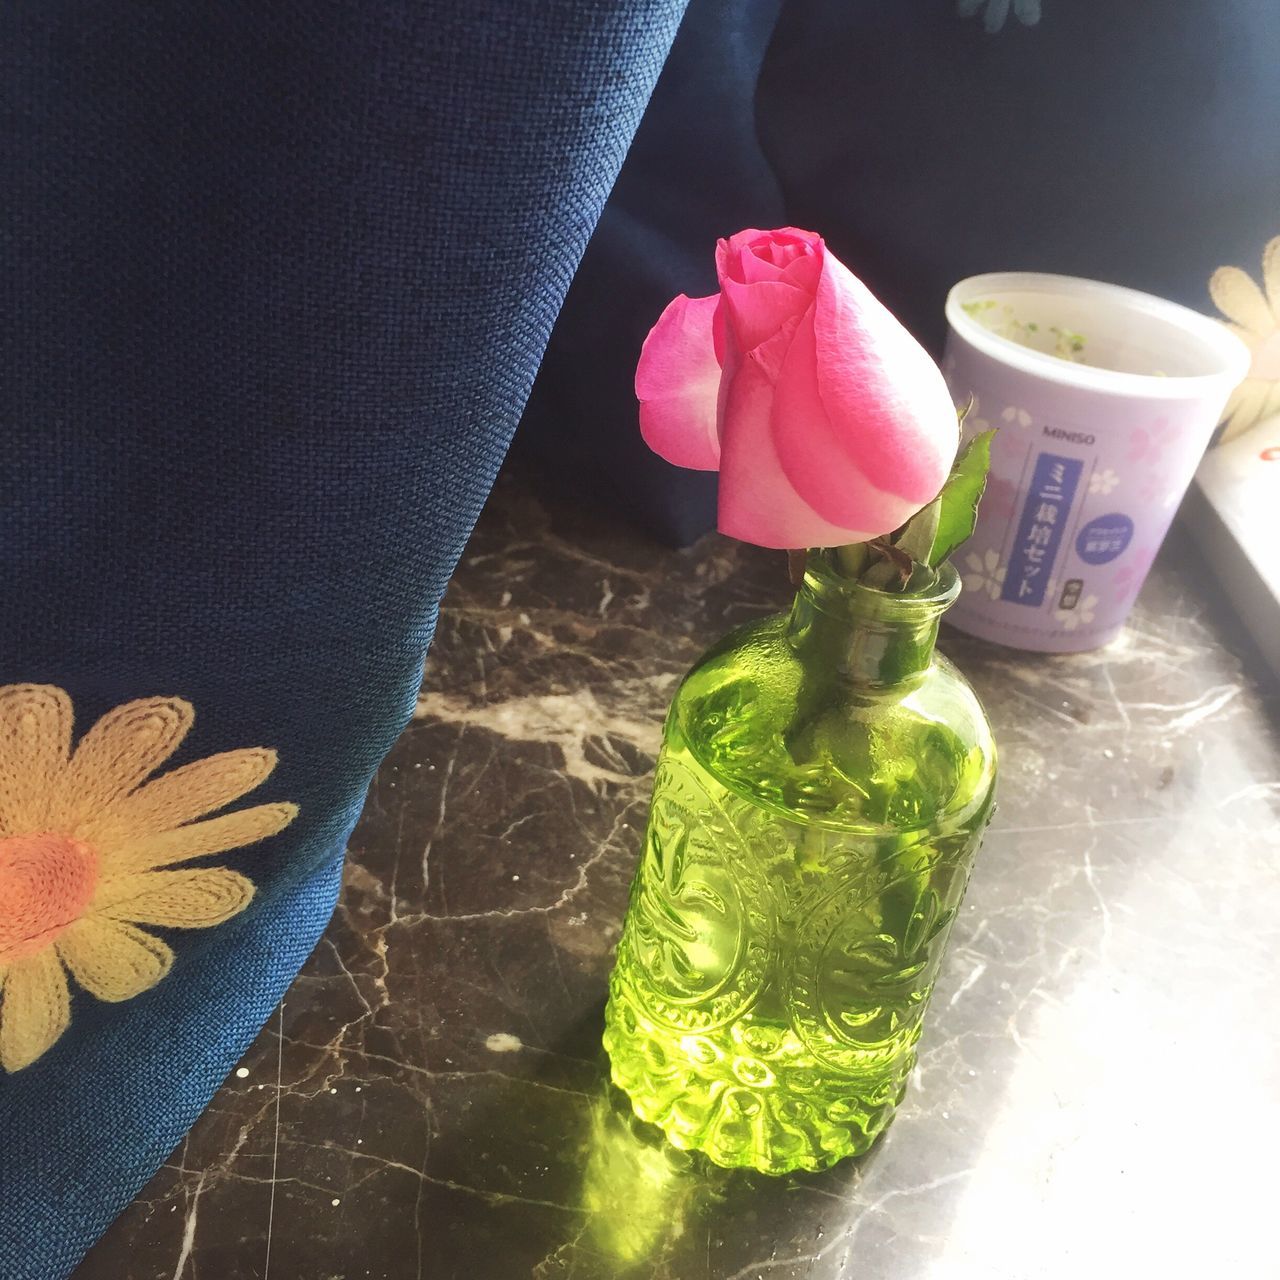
x=822 y=789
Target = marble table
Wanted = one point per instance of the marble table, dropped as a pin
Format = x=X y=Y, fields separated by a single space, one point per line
x=1099 y=1083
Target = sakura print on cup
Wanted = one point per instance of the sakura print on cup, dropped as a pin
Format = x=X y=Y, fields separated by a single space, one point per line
x=1105 y=399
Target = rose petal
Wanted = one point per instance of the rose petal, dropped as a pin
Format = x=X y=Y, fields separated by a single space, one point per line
x=756 y=312
x=678 y=383
x=762 y=285
x=729 y=255
x=804 y=270
x=887 y=401
x=732 y=253
x=757 y=502
x=814 y=456
x=834 y=425
x=753 y=268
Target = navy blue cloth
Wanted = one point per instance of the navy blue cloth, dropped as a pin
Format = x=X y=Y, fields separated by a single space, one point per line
x=694 y=173
x=1134 y=143
x=276 y=282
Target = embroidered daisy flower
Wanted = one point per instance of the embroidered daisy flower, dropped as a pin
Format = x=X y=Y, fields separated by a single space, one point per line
x=1016 y=417
x=88 y=849
x=1255 y=314
x=994 y=12
x=984 y=573
x=1103 y=481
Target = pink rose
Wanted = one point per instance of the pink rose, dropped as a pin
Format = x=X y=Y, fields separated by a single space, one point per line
x=827 y=421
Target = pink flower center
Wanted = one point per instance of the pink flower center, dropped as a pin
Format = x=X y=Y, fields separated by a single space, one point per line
x=779 y=252
x=46 y=882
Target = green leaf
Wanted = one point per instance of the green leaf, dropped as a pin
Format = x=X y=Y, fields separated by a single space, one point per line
x=918 y=535
x=882 y=576
x=892 y=568
x=853 y=559
x=958 y=501
x=920 y=532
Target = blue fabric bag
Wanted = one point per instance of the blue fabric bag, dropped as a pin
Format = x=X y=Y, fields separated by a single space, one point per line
x=277 y=279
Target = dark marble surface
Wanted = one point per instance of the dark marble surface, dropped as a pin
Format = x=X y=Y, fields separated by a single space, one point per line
x=1099 y=1083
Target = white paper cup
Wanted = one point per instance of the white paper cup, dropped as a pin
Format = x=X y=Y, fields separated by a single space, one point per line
x=1105 y=399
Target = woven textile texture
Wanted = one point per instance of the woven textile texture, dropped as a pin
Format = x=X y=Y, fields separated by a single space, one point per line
x=695 y=173
x=1127 y=142
x=276 y=282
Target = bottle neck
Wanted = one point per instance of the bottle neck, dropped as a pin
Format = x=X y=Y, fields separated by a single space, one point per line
x=870 y=638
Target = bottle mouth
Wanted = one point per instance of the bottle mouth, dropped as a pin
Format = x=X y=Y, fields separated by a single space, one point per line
x=834 y=593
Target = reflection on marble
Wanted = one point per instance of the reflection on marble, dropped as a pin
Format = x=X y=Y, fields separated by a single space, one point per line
x=1099 y=1082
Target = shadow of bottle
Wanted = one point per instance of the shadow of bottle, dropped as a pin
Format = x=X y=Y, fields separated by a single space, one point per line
x=644 y=1201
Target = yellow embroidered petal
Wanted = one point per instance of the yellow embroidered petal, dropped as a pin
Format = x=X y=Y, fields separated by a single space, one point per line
x=1238 y=298
x=180 y=796
x=35 y=1008
x=1271 y=404
x=1271 y=275
x=113 y=960
x=1251 y=402
x=245 y=826
x=191 y=899
x=1239 y=405
x=126 y=745
x=35 y=741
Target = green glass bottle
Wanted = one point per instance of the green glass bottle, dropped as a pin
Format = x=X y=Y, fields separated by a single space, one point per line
x=822 y=790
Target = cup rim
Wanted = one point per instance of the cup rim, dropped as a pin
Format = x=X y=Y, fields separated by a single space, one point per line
x=1229 y=352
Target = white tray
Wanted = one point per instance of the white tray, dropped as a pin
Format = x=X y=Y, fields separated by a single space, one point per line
x=1233 y=508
